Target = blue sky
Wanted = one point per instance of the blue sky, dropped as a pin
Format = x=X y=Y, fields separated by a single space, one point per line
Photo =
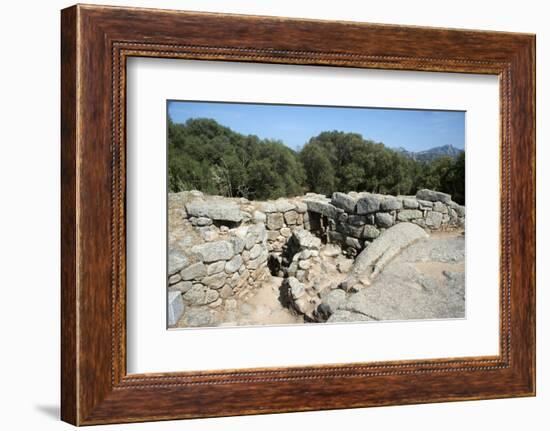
x=414 y=130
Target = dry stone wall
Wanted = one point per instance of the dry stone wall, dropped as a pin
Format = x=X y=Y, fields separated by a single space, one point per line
x=221 y=249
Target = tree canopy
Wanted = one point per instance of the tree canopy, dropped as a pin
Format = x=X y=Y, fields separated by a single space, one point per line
x=207 y=156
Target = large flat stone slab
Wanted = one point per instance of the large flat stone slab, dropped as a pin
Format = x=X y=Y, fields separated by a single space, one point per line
x=384 y=248
x=216 y=210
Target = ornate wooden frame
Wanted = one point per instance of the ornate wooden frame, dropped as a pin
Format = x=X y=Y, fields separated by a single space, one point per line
x=95 y=43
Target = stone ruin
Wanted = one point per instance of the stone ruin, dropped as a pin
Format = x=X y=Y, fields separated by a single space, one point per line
x=222 y=249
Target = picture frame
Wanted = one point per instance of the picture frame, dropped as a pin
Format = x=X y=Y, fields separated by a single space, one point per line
x=96 y=42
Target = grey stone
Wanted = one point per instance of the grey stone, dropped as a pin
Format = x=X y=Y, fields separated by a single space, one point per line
x=370 y=232
x=173 y=279
x=271 y=235
x=213 y=251
x=234 y=264
x=300 y=207
x=226 y=292
x=433 y=196
x=333 y=300
x=282 y=205
x=373 y=258
x=306 y=239
x=391 y=204
x=343 y=264
x=203 y=221
x=194 y=271
x=331 y=250
x=211 y=296
x=176 y=261
x=238 y=244
x=218 y=302
x=175 y=307
x=406 y=215
x=286 y=232
x=410 y=203
x=425 y=205
x=197 y=317
x=196 y=295
x=297 y=289
x=440 y=207
x=255 y=251
x=215 y=267
x=275 y=221
x=354 y=242
x=357 y=220
x=215 y=210
x=345 y=316
x=384 y=220
x=304 y=264
x=259 y=217
x=433 y=219
x=215 y=281
x=368 y=204
x=291 y=217
x=461 y=211
x=349 y=230
x=323 y=208
x=182 y=286
x=343 y=201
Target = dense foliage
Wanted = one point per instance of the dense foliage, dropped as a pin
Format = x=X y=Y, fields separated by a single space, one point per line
x=206 y=156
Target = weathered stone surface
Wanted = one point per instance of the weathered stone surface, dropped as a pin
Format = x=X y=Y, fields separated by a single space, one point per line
x=176 y=261
x=391 y=204
x=175 y=307
x=282 y=205
x=368 y=204
x=354 y=242
x=173 y=279
x=306 y=239
x=234 y=264
x=440 y=207
x=373 y=259
x=215 y=281
x=344 y=201
x=370 y=232
x=215 y=267
x=384 y=220
x=226 y=292
x=194 y=271
x=357 y=220
x=406 y=215
x=203 y=221
x=433 y=196
x=425 y=205
x=197 y=317
x=182 y=286
x=213 y=251
x=410 y=203
x=286 y=232
x=215 y=209
x=301 y=207
x=259 y=217
x=461 y=211
x=331 y=250
x=297 y=289
x=433 y=219
x=275 y=221
x=291 y=217
x=349 y=230
x=196 y=295
x=322 y=207
x=341 y=316
x=343 y=264
x=333 y=300
x=304 y=264
x=255 y=251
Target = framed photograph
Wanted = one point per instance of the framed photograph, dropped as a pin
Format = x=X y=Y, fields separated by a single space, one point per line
x=264 y=214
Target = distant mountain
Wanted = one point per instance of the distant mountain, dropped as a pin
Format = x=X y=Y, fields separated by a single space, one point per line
x=432 y=153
